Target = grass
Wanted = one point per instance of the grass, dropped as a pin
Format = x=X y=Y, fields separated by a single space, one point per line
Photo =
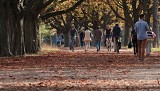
x=155 y=49
x=47 y=48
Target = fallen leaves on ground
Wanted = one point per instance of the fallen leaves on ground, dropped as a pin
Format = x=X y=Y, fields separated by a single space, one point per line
x=88 y=63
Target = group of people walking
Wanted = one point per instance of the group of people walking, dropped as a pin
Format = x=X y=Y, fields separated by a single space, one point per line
x=140 y=37
x=87 y=36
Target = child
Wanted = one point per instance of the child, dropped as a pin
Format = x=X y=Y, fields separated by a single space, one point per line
x=151 y=36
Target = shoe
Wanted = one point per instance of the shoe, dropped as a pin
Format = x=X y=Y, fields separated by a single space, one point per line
x=97 y=50
x=136 y=54
x=139 y=60
x=147 y=55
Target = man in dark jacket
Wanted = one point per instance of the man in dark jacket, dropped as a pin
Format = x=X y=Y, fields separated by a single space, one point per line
x=116 y=35
x=98 y=37
x=72 y=35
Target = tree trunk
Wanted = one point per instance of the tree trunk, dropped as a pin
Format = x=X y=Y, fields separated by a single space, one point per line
x=4 y=27
x=66 y=40
x=31 y=33
x=126 y=33
x=146 y=10
x=11 y=28
x=155 y=22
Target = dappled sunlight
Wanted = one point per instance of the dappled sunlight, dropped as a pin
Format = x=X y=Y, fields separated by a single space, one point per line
x=49 y=48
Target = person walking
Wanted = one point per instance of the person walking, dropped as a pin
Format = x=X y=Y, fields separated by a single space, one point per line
x=134 y=42
x=87 y=38
x=116 y=36
x=141 y=28
x=58 y=40
x=151 y=35
x=72 y=36
x=62 y=39
x=107 y=34
x=98 y=37
x=81 y=38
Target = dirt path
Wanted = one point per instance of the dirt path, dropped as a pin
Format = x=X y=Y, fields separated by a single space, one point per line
x=69 y=71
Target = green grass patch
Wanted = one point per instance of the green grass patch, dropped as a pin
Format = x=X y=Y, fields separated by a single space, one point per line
x=155 y=49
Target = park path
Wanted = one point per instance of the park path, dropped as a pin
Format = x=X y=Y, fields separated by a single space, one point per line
x=79 y=70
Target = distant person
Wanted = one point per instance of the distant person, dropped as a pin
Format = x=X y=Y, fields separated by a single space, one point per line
x=72 y=35
x=62 y=39
x=107 y=34
x=134 y=42
x=98 y=37
x=116 y=35
x=151 y=35
x=92 y=38
x=58 y=40
x=141 y=27
x=87 y=38
x=81 y=38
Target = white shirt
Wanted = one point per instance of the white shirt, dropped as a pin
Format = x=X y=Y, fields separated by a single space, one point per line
x=87 y=35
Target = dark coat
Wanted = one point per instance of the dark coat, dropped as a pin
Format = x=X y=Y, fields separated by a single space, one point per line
x=116 y=31
x=98 y=34
x=81 y=35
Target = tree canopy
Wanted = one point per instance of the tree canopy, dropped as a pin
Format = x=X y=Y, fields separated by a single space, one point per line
x=20 y=19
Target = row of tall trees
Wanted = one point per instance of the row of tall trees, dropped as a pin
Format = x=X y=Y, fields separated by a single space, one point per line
x=88 y=14
x=101 y=12
x=19 y=31
x=19 y=19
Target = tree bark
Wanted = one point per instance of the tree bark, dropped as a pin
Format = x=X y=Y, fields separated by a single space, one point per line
x=66 y=41
x=155 y=22
x=18 y=28
x=126 y=34
x=31 y=33
x=11 y=28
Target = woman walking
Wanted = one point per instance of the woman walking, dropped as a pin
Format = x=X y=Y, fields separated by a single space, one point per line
x=87 y=38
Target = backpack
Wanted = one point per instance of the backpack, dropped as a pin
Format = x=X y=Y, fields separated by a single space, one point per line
x=119 y=44
x=130 y=44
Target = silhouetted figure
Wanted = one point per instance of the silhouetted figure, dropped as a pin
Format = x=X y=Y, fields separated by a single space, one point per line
x=134 y=41
x=81 y=38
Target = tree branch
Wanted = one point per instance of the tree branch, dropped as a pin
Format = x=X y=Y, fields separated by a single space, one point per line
x=46 y=16
x=114 y=11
